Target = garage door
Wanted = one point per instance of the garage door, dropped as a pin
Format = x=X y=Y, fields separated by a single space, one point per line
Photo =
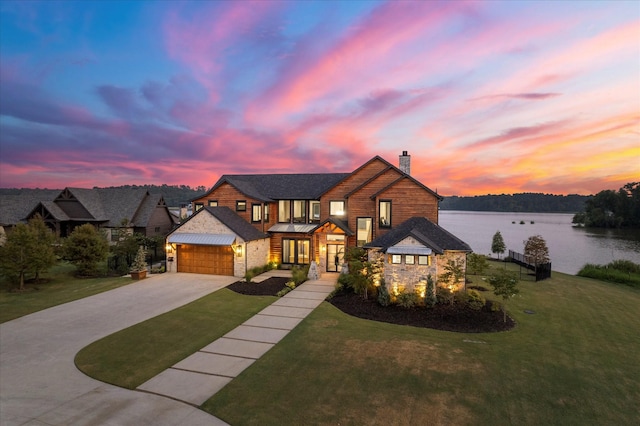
x=215 y=260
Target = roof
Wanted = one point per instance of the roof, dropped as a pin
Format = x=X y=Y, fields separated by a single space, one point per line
x=293 y=227
x=202 y=239
x=271 y=187
x=231 y=220
x=423 y=230
x=15 y=207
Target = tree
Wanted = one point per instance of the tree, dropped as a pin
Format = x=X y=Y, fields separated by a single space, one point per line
x=85 y=248
x=477 y=263
x=536 y=248
x=504 y=285
x=611 y=209
x=497 y=245
x=454 y=272
x=16 y=257
x=43 y=255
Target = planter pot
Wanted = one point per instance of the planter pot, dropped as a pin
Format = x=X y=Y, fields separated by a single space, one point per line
x=138 y=275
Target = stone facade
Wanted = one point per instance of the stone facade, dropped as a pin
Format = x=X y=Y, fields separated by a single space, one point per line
x=255 y=253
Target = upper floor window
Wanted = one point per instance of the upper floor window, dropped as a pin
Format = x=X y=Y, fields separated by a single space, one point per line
x=314 y=211
x=385 y=214
x=198 y=206
x=266 y=213
x=256 y=212
x=241 y=206
x=213 y=203
x=336 y=208
x=284 y=211
x=299 y=211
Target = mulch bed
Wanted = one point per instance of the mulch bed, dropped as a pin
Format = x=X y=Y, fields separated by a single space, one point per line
x=441 y=317
x=268 y=287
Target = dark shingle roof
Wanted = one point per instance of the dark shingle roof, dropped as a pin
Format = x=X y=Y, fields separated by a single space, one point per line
x=14 y=208
x=234 y=222
x=270 y=187
x=423 y=230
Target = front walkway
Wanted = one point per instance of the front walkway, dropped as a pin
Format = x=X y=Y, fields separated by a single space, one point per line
x=201 y=375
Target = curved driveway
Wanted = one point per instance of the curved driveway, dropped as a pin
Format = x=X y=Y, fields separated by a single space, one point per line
x=39 y=383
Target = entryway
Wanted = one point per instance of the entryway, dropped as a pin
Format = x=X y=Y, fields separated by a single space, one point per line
x=335 y=257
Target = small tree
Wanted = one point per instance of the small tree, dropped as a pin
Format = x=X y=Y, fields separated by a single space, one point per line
x=504 y=285
x=43 y=255
x=454 y=272
x=16 y=257
x=497 y=245
x=536 y=248
x=430 y=298
x=85 y=248
x=477 y=263
x=140 y=262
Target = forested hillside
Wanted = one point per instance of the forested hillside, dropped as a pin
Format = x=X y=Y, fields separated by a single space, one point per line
x=524 y=202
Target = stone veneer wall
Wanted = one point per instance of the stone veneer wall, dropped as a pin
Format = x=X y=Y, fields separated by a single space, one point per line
x=256 y=254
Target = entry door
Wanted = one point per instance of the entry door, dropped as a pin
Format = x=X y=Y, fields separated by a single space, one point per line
x=335 y=256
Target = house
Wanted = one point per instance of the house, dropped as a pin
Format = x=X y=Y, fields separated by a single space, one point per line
x=114 y=210
x=415 y=250
x=311 y=217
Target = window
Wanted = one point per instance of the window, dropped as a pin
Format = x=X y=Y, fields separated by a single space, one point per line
x=336 y=208
x=299 y=211
x=213 y=203
x=364 y=231
x=157 y=229
x=198 y=206
x=266 y=213
x=424 y=260
x=396 y=258
x=295 y=251
x=284 y=211
x=241 y=206
x=256 y=213
x=409 y=259
x=115 y=234
x=314 y=211
x=385 y=214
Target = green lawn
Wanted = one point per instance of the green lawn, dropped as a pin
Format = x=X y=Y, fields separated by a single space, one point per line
x=132 y=356
x=575 y=361
x=58 y=286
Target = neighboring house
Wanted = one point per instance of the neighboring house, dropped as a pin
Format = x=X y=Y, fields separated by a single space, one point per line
x=114 y=210
x=415 y=250
x=217 y=241
x=318 y=217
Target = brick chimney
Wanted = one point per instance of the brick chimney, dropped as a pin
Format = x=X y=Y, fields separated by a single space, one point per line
x=405 y=163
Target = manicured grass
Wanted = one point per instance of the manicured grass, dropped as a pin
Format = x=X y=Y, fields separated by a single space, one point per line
x=574 y=361
x=58 y=286
x=136 y=354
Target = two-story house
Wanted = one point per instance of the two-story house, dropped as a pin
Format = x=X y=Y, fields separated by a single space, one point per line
x=299 y=218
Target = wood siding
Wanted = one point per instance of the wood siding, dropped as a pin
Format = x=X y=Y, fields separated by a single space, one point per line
x=160 y=218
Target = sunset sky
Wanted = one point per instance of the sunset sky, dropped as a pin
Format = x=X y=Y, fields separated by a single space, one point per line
x=487 y=97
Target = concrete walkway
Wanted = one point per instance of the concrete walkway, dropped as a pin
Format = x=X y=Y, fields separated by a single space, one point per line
x=201 y=375
x=40 y=384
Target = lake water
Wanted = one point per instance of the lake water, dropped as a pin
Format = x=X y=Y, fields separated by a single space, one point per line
x=569 y=247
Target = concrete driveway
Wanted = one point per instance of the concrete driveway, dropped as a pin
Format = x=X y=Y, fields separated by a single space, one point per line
x=39 y=383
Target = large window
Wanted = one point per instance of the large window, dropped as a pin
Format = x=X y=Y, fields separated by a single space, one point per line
x=336 y=208
x=314 y=211
x=299 y=211
x=284 y=211
x=385 y=214
x=364 y=230
x=256 y=212
x=295 y=252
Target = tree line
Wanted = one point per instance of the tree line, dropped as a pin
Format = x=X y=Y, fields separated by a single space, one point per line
x=612 y=209
x=524 y=202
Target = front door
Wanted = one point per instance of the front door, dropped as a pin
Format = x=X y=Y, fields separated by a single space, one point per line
x=335 y=256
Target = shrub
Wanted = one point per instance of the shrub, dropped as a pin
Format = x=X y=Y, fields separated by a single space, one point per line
x=407 y=299
x=493 y=306
x=430 y=298
x=291 y=284
x=616 y=272
x=475 y=300
x=384 y=299
x=444 y=295
x=461 y=297
x=625 y=266
x=283 y=292
x=299 y=274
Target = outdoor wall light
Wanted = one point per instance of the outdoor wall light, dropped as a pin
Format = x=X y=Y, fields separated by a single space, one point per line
x=238 y=250
x=169 y=248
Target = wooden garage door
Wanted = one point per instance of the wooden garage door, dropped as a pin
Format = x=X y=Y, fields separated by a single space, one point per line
x=215 y=260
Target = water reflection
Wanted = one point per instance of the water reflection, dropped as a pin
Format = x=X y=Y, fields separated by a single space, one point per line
x=569 y=247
